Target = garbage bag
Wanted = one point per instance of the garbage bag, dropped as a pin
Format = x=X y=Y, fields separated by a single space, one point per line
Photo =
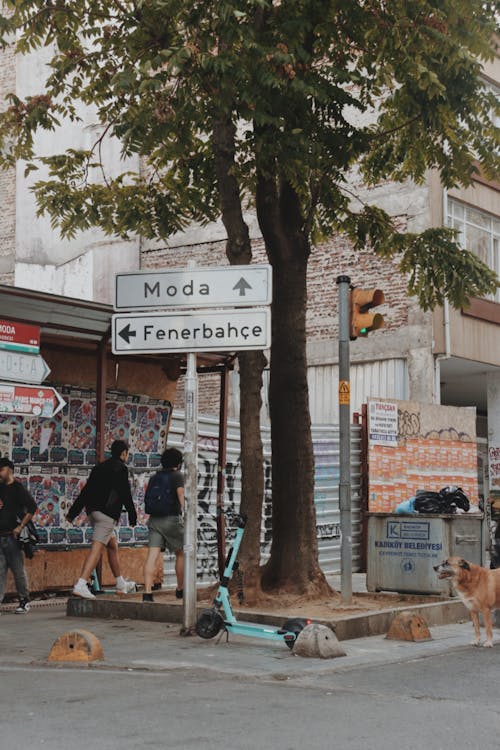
x=446 y=501
x=456 y=496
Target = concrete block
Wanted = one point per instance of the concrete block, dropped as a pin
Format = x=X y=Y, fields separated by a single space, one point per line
x=408 y=626
x=318 y=642
x=77 y=645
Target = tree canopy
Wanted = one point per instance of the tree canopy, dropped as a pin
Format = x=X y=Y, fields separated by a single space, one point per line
x=271 y=105
x=307 y=88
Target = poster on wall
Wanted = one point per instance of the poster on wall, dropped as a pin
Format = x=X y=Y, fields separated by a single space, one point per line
x=383 y=423
x=494 y=466
x=6 y=440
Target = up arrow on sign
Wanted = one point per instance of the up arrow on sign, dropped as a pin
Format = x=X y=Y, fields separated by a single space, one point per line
x=242 y=286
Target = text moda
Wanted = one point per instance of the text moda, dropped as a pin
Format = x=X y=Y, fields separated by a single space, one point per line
x=202 y=332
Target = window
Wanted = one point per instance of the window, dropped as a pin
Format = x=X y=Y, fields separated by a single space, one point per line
x=494 y=116
x=478 y=232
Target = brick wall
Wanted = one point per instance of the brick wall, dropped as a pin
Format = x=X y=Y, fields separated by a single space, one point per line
x=7 y=179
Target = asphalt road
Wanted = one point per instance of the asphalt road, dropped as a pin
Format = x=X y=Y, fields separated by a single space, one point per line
x=442 y=702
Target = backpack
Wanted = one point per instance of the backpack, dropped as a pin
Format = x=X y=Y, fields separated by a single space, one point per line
x=161 y=497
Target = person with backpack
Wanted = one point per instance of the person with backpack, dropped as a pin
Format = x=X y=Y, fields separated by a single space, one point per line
x=164 y=502
x=104 y=496
x=17 y=508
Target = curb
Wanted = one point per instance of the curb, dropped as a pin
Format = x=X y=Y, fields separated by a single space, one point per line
x=447 y=612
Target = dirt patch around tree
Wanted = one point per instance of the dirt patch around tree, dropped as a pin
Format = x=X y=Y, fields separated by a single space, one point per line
x=324 y=608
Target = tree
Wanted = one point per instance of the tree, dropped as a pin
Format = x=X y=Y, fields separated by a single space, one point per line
x=268 y=104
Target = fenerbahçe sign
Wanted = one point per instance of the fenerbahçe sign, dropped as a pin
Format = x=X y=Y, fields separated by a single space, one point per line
x=192 y=331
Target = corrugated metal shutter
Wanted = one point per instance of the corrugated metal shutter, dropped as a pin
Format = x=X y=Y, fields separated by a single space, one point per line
x=382 y=379
x=326 y=451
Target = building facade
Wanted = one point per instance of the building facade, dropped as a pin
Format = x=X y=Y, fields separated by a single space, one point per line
x=449 y=356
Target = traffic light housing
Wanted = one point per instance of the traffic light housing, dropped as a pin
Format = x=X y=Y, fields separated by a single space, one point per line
x=362 y=322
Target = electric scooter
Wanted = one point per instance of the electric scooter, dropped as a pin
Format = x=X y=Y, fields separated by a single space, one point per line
x=221 y=616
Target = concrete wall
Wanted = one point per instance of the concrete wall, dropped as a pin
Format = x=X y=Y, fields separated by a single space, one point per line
x=82 y=267
x=7 y=178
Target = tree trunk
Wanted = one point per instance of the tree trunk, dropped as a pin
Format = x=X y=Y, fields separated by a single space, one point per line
x=293 y=565
x=252 y=470
x=251 y=366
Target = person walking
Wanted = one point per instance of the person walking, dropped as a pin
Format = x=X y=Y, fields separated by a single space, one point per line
x=164 y=501
x=104 y=496
x=17 y=508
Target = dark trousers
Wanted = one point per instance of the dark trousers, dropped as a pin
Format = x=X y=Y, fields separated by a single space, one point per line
x=11 y=556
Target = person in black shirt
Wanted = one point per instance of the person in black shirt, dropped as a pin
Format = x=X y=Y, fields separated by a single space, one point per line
x=104 y=496
x=17 y=508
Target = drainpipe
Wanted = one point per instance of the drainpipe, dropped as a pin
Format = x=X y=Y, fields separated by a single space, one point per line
x=446 y=323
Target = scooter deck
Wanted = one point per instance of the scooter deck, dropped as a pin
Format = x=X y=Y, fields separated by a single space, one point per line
x=257 y=631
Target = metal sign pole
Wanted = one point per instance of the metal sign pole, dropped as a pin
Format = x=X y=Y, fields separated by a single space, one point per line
x=191 y=492
x=344 y=283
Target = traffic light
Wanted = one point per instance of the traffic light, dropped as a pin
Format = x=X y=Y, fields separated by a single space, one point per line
x=361 y=320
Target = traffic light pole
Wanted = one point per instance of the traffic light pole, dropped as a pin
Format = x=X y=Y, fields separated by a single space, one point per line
x=344 y=285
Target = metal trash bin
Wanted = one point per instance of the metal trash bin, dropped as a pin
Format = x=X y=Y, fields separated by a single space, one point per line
x=402 y=550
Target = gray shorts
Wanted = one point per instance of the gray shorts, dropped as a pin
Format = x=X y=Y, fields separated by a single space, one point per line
x=166 y=532
x=103 y=526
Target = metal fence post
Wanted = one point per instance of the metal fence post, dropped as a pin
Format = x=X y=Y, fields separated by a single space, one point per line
x=191 y=481
x=191 y=491
x=344 y=283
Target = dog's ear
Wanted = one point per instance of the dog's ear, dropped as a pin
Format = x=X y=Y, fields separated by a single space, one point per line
x=464 y=564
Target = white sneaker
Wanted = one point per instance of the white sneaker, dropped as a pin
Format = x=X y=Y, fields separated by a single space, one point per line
x=126 y=588
x=82 y=590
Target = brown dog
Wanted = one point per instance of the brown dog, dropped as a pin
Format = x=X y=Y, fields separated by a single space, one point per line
x=478 y=588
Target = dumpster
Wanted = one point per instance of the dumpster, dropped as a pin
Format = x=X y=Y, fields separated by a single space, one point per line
x=402 y=550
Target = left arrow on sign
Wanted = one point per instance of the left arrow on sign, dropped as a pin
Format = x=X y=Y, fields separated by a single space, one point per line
x=127 y=334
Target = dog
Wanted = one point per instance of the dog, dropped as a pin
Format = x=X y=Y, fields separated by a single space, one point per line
x=478 y=588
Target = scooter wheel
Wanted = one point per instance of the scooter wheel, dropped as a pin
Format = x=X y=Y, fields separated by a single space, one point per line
x=294 y=625
x=208 y=624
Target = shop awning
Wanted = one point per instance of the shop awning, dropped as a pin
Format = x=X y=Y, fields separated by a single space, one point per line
x=56 y=315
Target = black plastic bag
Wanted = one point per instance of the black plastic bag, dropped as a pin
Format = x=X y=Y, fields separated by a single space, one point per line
x=444 y=502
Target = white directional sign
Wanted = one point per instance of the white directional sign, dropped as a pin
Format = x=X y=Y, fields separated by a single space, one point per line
x=225 y=286
x=26 y=368
x=225 y=330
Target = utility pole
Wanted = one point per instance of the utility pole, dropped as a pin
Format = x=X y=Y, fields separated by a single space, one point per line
x=344 y=285
x=191 y=492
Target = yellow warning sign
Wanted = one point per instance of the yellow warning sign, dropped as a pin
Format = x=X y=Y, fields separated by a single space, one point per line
x=344 y=393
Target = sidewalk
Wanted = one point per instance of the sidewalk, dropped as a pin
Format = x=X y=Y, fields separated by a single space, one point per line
x=137 y=645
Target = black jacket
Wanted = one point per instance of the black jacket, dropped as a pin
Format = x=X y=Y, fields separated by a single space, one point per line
x=108 y=491
x=16 y=501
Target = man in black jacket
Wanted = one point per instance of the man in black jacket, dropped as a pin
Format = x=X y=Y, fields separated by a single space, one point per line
x=104 y=496
x=17 y=508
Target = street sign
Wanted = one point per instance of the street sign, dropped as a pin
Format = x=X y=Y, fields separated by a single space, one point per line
x=19 y=337
x=30 y=401
x=220 y=331
x=225 y=286
x=27 y=368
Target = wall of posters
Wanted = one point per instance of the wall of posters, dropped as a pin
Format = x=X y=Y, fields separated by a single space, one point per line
x=54 y=456
x=435 y=446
